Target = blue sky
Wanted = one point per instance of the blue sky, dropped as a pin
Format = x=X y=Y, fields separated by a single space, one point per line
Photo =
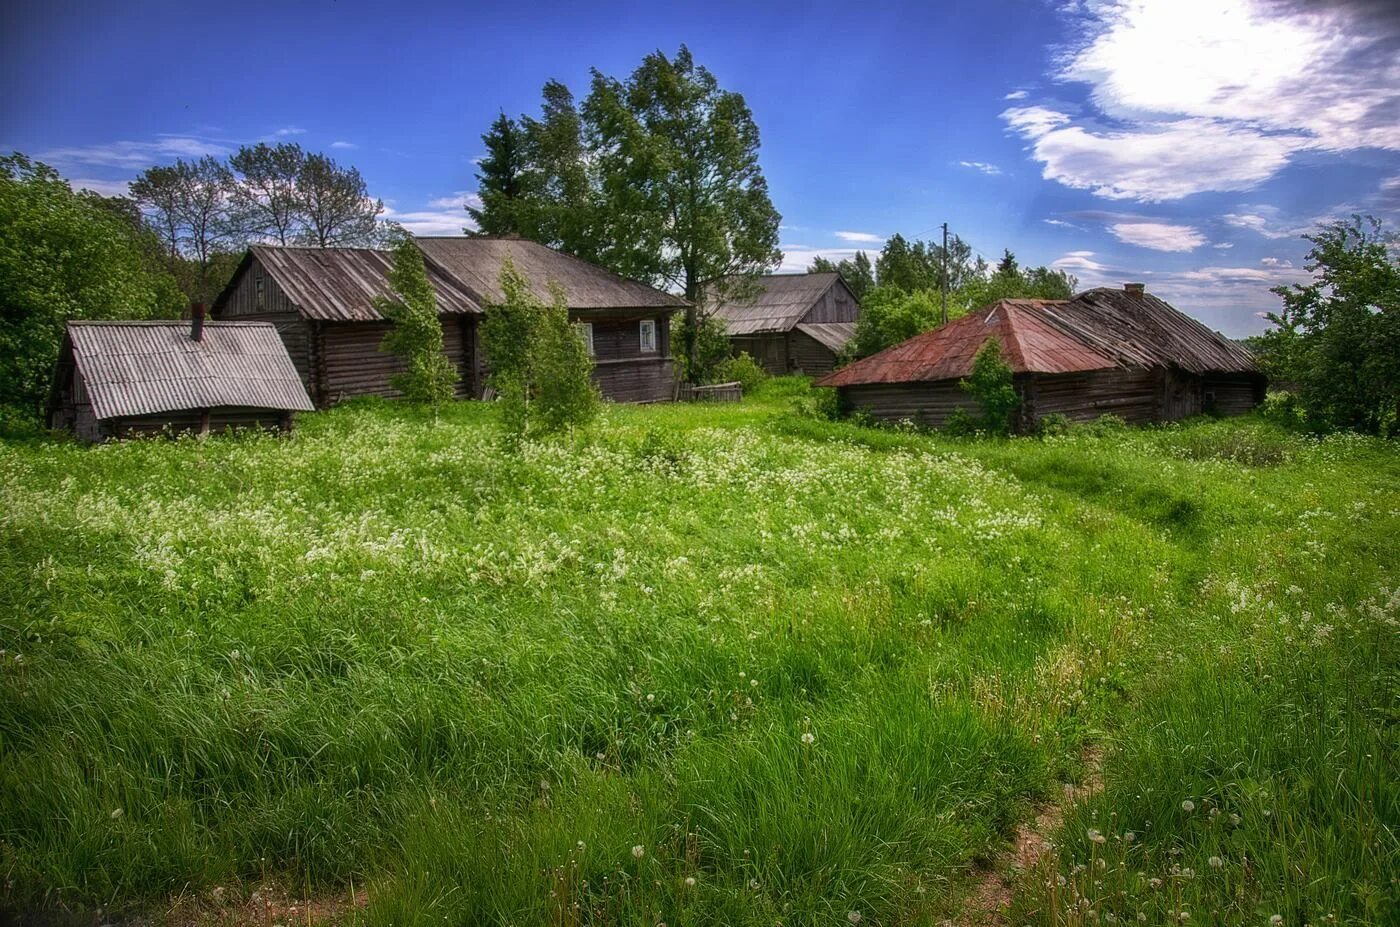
x=1186 y=143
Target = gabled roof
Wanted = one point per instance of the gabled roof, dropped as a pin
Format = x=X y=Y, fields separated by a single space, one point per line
x=1029 y=343
x=341 y=284
x=141 y=368
x=769 y=303
x=1096 y=330
x=476 y=264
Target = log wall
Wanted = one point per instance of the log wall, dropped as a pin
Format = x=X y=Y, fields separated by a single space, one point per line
x=808 y=355
x=349 y=361
x=636 y=379
x=1132 y=395
x=927 y=404
x=1232 y=395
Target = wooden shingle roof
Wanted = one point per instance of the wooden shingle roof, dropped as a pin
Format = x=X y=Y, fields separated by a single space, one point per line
x=476 y=264
x=341 y=284
x=769 y=303
x=142 y=368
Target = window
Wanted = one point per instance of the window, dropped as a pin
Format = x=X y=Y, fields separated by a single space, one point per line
x=258 y=292
x=648 y=336
x=585 y=331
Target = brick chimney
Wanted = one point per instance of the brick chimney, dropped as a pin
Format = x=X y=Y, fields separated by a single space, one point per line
x=197 y=321
x=1135 y=290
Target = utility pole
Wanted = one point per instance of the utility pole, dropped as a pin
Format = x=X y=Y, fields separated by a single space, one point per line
x=945 y=273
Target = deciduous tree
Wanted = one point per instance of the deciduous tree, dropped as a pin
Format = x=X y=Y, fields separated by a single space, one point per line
x=64 y=256
x=335 y=201
x=416 y=336
x=267 y=195
x=1338 y=337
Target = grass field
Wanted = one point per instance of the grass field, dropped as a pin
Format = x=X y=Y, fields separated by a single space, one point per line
x=703 y=665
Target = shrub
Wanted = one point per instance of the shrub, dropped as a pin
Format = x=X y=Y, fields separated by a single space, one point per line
x=711 y=348
x=1052 y=424
x=1283 y=408
x=742 y=369
x=540 y=367
x=416 y=336
x=819 y=403
x=960 y=424
x=991 y=385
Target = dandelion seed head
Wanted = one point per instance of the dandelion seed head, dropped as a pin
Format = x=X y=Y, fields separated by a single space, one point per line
x=638 y=851
x=1188 y=806
x=808 y=737
x=854 y=917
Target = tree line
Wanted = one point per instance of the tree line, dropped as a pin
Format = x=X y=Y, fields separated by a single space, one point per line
x=208 y=210
x=901 y=292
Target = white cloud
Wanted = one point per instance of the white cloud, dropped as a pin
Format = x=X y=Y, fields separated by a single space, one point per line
x=1078 y=261
x=104 y=187
x=290 y=130
x=1160 y=161
x=865 y=237
x=344 y=145
x=1223 y=245
x=445 y=215
x=138 y=155
x=1159 y=236
x=1278 y=263
x=1060 y=223
x=1204 y=95
x=1263 y=220
x=1016 y=95
x=982 y=166
x=797 y=258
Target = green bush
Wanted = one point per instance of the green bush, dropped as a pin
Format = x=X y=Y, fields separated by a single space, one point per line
x=991 y=385
x=416 y=335
x=741 y=369
x=961 y=423
x=1052 y=424
x=818 y=403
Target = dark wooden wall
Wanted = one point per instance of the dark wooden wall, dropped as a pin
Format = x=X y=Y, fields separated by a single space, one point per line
x=1132 y=395
x=809 y=356
x=623 y=372
x=927 y=404
x=349 y=362
x=221 y=419
x=836 y=305
x=1232 y=394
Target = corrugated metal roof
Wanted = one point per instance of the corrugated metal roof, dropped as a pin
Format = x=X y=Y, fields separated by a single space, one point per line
x=1029 y=344
x=833 y=335
x=769 y=303
x=476 y=263
x=341 y=284
x=141 y=368
x=1095 y=330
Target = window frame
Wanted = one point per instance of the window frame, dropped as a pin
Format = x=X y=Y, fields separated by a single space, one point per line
x=642 y=327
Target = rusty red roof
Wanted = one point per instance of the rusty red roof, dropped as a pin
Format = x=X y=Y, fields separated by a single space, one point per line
x=1030 y=343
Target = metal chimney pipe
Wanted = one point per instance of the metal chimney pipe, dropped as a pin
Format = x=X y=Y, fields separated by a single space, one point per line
x=197 y=322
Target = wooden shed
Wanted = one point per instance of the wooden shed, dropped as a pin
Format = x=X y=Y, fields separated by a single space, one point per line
x=1120 y=352
x=322 y=302
x=788 y=323
x=625 y=323
x=116 y=379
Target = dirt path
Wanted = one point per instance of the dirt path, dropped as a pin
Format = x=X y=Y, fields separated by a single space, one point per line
x=990 y=897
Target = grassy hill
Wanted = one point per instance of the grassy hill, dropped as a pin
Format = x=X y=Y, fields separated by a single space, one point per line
x=701 y=665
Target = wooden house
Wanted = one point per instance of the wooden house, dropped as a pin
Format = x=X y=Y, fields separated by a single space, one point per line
x=322 y=302
x=626 y=324
x=1120 y=352
x=788 y=323
x=116 y=379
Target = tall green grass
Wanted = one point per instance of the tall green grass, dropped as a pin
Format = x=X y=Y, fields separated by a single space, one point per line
x=700 y=664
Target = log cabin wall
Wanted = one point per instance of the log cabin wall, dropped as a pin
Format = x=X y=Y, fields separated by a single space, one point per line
x=1132 y=395
x=809 y=356
x=769 y=351
x=927 y=404
x=624 y=372
x=349 y=361
x=257 y=297
x=1232 y=394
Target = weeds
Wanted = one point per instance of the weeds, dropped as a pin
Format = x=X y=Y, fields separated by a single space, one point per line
x=811 y=670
